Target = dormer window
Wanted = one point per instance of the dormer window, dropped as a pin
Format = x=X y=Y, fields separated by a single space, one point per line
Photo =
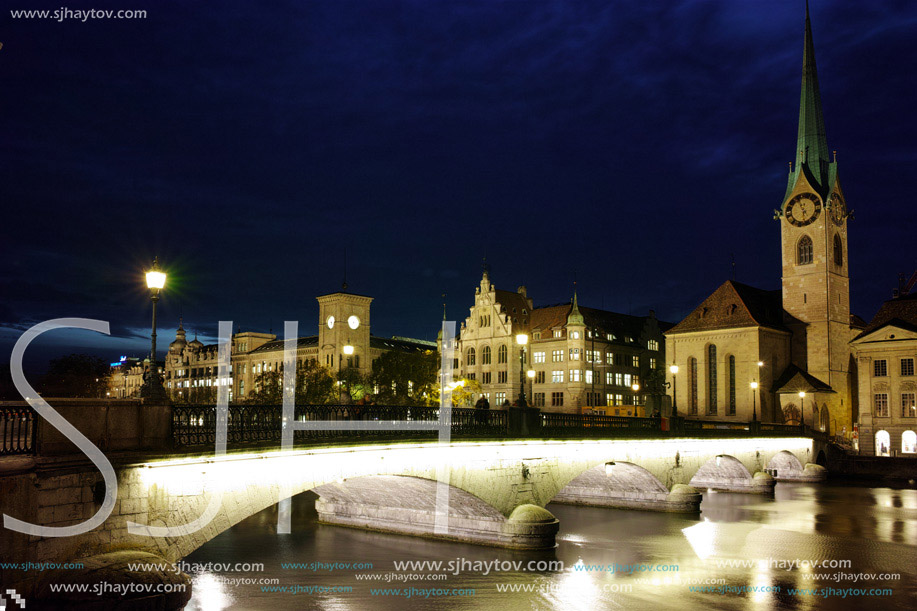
x=558 y=333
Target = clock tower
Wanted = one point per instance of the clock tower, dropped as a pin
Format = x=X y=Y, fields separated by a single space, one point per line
x=344 y=328
x=813 y=228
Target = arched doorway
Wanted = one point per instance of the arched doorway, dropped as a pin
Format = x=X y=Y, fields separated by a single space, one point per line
x=909 y=442
x=883 y=443
x=823 y=418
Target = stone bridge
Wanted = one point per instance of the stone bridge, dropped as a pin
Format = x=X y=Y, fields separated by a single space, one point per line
x=490 y=492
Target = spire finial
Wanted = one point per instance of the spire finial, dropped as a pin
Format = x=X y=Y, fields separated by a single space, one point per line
x=811 y=142
x=444 y=306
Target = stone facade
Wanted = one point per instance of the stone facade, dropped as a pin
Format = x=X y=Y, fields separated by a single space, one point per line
x=190 y=371
x=585 y=360
x=886 y=355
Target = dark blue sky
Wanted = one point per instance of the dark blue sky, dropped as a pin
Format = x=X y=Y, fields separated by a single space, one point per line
x=637 y=145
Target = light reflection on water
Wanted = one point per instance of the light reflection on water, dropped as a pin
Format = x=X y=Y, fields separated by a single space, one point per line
x=874 y=528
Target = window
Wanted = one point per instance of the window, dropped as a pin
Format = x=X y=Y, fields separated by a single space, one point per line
x=907 y=367
x=538 y=399
x=692 y=385
x=469 y=358
x=627 y=380
x=539 y=377
x=501 y=354
x=880 y=405
x=538 y=357
x=557 y=376
x=610 y=358
x=880 y=368
x=883 y=443
x=574 y=334
x=804 y=251
x=619 y=379
x=908 y=406
x=558 y=333
x=731 y=372
x=500 y=398
x=838 y=251
x=485 y=355
x=470 y=376
x=576 y=375
x=711 y=379
x=589 y=376
x=652 y=363
x=591 y=356
x=611 y=337
x=557 y=356
x=501 y=377
x=574 y=354
x=557 y=399
x=537 y=335
x=635 y=361
x=652 y=345
x=485 y=377
x=609 y=378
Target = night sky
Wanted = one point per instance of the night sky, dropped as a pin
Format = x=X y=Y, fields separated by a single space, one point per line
x=637 y=146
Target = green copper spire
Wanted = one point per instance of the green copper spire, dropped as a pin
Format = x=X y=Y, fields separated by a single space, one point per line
x=811 y=143
x=575 y=318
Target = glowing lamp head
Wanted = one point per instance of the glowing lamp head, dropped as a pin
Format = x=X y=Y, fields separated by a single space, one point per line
x=635 y=387
x=754 y=385
x=802 y=394
x=155 y=278
x=673 y=369
x=348 y=349
x=530 y=373
x=760 y=363
x=522 y=339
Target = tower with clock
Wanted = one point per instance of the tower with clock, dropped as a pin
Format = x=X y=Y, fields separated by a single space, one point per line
x=343 y=328
x=813 y=228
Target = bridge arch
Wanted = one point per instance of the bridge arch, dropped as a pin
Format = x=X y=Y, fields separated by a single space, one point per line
x=725 y=472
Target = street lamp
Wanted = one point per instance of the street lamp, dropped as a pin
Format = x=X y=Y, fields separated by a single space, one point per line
x=802 y=409
x=674 y=370
x=636 y=388
x=152 y=387
x=531 y=375
x=522 y=339
x=754 y=408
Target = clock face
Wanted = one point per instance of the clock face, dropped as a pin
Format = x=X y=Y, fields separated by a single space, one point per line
x=838 y=209
x=353 y=322
x=331 y=322
x=803 y=209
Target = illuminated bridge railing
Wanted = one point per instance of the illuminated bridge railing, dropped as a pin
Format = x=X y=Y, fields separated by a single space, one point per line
x=562 y=425
x=17 y=430
x=194 y=425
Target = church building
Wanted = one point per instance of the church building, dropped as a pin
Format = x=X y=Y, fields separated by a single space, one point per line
x=782 y=356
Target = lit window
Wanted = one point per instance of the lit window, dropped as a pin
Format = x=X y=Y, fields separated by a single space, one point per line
x=557 y=376
x=558 y=333
x=557 y=356
x=538 y=357
x=500 y=398
x=589 y=377
x=635 y=360
x=574 y=354
x=652 y=345
x=908 y=406
x=880 y=405
x=609 y=378
x=574 y=334
x=575 y=375
x=610 y=358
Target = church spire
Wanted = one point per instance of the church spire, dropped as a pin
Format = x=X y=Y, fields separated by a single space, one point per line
x=575 y=317
x=811 y=142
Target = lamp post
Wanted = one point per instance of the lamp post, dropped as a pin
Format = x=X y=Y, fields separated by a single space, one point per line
x=802 y=409
x=348 y=350
x=152 y=387
x=674 y=370
x=754 y=407
x=636 y=388
x=531 y=375
x=522 y=339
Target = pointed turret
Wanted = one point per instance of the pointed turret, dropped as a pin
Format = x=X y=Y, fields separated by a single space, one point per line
x=575 y=317
x=811 y=141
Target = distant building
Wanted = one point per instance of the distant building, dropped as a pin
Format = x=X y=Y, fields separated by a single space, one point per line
x=585 y=360
x=885 y=353
x=190 y=370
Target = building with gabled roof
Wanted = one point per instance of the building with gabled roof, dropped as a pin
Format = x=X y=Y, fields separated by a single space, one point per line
x=887 y=386
x=793 y=344
x=584 y=360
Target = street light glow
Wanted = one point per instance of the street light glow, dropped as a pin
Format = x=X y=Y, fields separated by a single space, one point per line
x=635 y=387
x=754 y=385
x=802 y=394
x=522 y=339
x=673 y=369
x=155 y=279
x=530 y=373
x=348 y=349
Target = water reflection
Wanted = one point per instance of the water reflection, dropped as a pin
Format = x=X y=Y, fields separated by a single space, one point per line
x=646 y=560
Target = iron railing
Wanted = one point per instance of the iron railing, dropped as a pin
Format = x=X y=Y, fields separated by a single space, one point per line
x=194 y=425
x=561 y=425
x=17 y=430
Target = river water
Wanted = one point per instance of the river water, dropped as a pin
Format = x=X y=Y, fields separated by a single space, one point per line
x=612 y=559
